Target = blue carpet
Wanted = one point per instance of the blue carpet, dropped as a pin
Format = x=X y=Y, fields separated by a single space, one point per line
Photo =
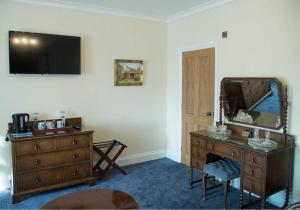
x=158 y=184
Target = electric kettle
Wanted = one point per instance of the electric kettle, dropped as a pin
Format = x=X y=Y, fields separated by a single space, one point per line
x=20 y=122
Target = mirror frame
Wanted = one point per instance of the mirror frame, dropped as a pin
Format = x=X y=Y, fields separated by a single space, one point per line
x=281 y=95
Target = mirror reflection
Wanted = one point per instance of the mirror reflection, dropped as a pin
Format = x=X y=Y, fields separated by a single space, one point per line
x=255 y=101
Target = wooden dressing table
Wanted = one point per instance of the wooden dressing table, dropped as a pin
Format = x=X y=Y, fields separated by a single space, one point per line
x=264 y=172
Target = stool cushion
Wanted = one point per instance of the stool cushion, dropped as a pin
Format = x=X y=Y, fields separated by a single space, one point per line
x=225 y=169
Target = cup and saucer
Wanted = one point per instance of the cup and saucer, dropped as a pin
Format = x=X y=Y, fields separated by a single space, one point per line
x=41 y=125
x=60 y=124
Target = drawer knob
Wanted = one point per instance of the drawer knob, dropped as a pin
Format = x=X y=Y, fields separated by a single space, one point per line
x=75 y=173
x=252 y=159
x=74 y=142
x=232 y=154
x=37 y=180
x=74 y=156
x=36 y=147
x=36 y=162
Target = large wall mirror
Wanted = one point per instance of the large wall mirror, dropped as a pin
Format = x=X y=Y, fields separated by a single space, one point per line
x=253 y=101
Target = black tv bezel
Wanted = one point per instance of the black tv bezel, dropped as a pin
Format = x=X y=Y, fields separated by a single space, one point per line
x=10 y=32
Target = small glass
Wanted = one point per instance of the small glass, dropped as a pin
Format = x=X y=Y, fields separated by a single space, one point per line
x=267 y=136
x=63 y=117
x=256 y=134
x=35 y=116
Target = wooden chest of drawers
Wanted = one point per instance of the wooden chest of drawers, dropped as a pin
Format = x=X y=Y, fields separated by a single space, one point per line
x=45 y=163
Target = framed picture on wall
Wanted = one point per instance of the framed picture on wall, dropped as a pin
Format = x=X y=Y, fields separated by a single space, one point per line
x=128 y=72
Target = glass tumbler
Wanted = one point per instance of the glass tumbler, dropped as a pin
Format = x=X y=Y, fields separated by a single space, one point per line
x=256 y=134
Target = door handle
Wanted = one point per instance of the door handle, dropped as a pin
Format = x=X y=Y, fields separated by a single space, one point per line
x=209 y=113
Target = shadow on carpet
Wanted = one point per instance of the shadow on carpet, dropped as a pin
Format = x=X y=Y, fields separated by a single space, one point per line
x=158 y=184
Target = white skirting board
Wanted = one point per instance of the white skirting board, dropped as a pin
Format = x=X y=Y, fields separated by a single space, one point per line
x=140 y=157
x=125 y=160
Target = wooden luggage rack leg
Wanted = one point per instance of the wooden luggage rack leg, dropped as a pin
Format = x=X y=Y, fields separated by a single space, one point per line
x=104 y=156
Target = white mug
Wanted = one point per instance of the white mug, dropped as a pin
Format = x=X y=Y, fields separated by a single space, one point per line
x=41 y=125
x=60 y=124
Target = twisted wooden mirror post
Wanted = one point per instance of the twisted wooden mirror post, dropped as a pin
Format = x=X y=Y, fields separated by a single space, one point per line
x=285 y=112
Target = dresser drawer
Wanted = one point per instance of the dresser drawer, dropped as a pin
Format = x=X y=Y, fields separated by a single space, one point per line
x=52 y=159
x=253 y=158
x=76 y=172
x=76 y=155
x=34 y=147
x=253 y=171
x=30 y=162
x=67 y=142
x=223 y=150
x=252 y=185
x=39 y=179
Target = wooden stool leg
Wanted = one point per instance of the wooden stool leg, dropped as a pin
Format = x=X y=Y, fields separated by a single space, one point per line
x=204 y=179
x=226 y=185
x=263 y=202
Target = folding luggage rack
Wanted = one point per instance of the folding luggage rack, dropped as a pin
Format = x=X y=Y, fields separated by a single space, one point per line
x=99 y=149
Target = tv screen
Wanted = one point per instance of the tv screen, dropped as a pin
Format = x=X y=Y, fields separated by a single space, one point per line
x=35 y=53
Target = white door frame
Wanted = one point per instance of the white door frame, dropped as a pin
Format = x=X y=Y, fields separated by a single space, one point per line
x=217 y=86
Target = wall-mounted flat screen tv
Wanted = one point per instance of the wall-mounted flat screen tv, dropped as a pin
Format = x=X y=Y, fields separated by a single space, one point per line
x=36 y=53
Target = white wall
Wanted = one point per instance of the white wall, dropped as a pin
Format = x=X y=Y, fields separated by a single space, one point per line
x=135 y=115
x=264 y=40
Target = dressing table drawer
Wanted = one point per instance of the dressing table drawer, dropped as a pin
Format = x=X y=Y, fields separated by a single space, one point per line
x=252 y=185
x=198 y=148
x=253 y=171
x=253 y=158
x=200 y=143
x=197 y=163
x=197 y=152
x=223 y=150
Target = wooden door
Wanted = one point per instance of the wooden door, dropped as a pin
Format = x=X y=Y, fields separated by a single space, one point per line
x=198 y=69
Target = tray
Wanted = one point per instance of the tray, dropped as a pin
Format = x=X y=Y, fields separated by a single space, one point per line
x=68 y=129
x=218 y=134
x=261 y=143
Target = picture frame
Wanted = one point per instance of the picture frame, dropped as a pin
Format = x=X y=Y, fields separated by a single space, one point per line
x=129 y=72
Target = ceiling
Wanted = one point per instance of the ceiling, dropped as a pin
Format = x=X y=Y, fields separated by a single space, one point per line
x=160 y=10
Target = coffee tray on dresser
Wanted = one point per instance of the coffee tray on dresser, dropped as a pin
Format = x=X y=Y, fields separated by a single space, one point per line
x=52 y=131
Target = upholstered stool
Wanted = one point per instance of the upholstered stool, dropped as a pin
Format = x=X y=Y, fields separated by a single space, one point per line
x=225 y=170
